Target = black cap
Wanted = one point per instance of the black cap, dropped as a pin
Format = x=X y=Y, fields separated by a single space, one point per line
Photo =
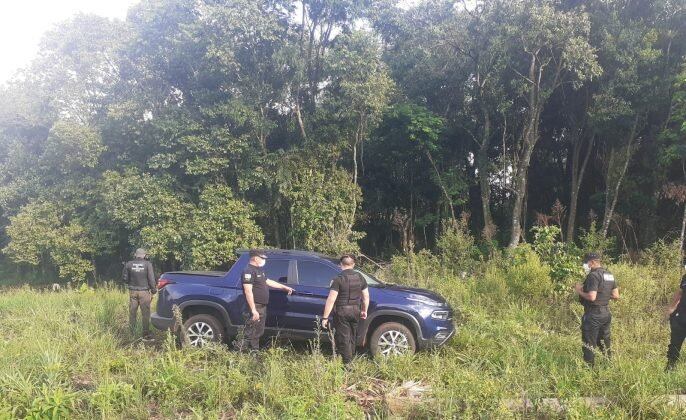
x=258 y=253
x=591 y=256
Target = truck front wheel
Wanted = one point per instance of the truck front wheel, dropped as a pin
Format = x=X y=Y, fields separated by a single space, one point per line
x=392 y=339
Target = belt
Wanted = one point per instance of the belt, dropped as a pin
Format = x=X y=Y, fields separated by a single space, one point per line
x=597 y=309
x=138 y=288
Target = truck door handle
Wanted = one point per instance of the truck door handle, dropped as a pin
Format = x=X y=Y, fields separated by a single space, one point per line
x=305 y=293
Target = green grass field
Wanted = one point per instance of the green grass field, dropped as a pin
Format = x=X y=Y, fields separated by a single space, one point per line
x=70 y=355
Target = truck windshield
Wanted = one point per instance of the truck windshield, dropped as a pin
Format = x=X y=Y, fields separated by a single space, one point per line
x=371 y=280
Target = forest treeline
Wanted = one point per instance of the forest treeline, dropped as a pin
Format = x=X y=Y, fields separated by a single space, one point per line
x=195 y=127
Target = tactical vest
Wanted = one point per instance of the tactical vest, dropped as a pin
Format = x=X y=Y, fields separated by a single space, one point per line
x=351 y=289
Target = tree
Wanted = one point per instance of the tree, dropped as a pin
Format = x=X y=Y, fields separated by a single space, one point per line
x=220 y=225
x=546 y=49
x=322 y=205
x=41 y=234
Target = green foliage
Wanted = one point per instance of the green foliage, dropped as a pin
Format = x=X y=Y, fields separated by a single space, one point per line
x=414 y=269
x=220 y=225
x=562 y=258
x=667 y=258
x=457 y=248
x=147 y=207
x=71 y=146
x=39 y=234
x=593 y=240
x=322 y=207
x=529 y=275
x=124 y=125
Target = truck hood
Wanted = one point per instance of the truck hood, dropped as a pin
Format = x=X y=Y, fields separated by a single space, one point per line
x=411 y=292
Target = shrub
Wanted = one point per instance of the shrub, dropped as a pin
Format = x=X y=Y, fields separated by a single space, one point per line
x=456 y=248
x=592 y=240
x=563 y=259
x=528 y=275
x=414 y=269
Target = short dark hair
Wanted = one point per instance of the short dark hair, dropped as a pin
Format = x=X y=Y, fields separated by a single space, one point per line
x=591 y=256
x=348 y=259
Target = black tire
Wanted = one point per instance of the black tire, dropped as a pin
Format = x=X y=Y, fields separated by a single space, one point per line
x=391 y=339
x=201 y=329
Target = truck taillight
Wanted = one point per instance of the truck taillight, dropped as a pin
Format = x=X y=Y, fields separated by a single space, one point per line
x=163 y=282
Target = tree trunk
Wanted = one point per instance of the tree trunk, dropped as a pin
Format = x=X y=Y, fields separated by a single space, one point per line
x=609 y=210
x=442 y=186
x=482 y=163
x=577 y=179
x=521 y=177
x=355 y=162
x=529 y=138
x=683 y=231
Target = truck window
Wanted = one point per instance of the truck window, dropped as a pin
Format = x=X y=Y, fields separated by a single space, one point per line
x=276 y=270
x=312 y=273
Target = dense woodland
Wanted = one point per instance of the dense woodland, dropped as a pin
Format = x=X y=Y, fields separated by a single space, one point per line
x=196 y=127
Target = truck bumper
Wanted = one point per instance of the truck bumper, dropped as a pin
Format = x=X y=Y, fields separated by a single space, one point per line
x=437 y=340
x=161 y=322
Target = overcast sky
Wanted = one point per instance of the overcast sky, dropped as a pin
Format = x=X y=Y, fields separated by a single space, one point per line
x=23 y=22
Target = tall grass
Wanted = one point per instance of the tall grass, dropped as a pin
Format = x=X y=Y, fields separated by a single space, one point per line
x=70 y=355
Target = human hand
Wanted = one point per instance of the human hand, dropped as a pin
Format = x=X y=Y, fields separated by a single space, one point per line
x=325 y=323
x=363 y=314
x=255 y=316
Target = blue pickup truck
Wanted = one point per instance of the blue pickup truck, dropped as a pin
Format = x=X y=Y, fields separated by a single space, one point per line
x=400 y=319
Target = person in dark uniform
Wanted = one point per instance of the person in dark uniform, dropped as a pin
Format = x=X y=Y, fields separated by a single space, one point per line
x=349 y=300
x=256 y=288
x=139 y=276
x=595 y=294
x=677 y=322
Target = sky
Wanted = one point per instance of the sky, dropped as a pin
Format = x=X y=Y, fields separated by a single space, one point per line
x=23 y=22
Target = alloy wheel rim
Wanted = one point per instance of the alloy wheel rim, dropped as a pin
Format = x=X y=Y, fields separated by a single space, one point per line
x=393 y=343
x=200 y=333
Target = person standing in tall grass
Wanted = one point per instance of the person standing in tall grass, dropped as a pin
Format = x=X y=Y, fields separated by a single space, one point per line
x=595 y=294
x=349 y=300
x=139 y=276
x=676 y=312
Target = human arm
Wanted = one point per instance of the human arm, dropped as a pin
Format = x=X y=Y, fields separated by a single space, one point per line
x=151 y=278
x=250 y=299
x=276 y=285
x=675 y=302
x=365 y=303
x=328 y=307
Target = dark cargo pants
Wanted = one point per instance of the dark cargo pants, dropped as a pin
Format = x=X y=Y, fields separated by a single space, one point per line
x=345 y=321
x=142 y=299
x=253 y=330
x=595 y=332
x=677 y=325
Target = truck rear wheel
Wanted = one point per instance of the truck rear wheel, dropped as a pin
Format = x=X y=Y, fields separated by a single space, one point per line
x=202 y=329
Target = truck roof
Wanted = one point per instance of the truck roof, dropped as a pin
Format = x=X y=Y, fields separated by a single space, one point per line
x=288 y=252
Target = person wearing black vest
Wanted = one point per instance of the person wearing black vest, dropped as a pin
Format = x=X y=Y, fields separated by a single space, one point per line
x=256 y=289
x=595 y=294
x=349 y=300
x=677 y=323
x=139 y=276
